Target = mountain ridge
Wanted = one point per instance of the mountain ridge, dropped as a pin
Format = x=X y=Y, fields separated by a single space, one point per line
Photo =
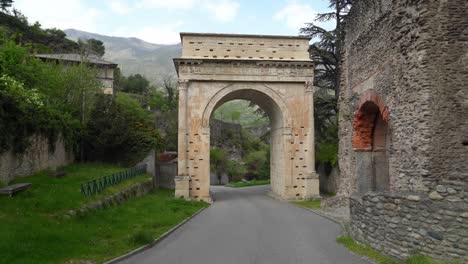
x=135 y=55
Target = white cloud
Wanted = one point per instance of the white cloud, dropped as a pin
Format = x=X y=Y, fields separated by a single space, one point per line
x=220 y=10
x=119 y=7
x=161 y=34
x=295 y=15
x=168 y=4
x=60 y=14
x=223 y=11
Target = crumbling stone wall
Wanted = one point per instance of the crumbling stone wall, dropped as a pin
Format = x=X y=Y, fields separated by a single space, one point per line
x=38 y=156
x=413 y=56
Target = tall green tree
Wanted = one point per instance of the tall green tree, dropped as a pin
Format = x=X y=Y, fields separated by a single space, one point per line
x=5 y=4
x=326 y=53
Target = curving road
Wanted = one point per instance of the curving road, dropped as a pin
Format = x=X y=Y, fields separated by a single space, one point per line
x=244 y=226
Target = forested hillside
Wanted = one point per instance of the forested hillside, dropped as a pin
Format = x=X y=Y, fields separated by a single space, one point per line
x=15 y=26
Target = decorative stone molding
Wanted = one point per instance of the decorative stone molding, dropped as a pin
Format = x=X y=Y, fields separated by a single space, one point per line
x=183 y=84
x=309 y=86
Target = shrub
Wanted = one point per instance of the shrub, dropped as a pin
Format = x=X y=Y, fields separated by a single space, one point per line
x=120 y=131
x=235 y=170
x=257 y=165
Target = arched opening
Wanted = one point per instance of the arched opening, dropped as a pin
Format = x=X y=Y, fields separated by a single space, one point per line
x=370 y=142
x=274 y=156
x=239 y=144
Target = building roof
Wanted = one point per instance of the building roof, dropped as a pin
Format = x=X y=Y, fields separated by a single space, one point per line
x=242 y=35
x=75 y=58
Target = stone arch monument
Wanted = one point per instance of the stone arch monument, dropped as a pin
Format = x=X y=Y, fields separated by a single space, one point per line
x=274 y=72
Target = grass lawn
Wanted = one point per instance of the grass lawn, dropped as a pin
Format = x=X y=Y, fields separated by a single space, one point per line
x=313 y=204
x=249 y=183
x=50 y=195
x=33 y=229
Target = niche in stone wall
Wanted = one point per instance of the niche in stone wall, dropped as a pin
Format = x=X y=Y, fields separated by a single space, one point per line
x=371 y=143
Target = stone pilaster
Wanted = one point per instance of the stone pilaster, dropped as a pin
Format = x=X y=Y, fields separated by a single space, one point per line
x=312 y=179
x=182 y=181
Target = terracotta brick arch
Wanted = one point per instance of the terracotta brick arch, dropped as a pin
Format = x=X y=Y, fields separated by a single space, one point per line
x=369 y=107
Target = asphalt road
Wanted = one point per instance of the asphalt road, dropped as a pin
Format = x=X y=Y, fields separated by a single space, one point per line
x=244 y=226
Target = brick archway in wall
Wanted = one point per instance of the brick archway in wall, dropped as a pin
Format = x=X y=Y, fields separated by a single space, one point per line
x=371 y=137
x=274 y=72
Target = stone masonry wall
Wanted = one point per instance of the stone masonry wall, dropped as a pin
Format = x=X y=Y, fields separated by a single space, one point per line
x=413 y=55
x=400 y=225
x=37 y=157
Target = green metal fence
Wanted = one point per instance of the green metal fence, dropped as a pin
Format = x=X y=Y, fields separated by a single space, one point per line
x=95 y=186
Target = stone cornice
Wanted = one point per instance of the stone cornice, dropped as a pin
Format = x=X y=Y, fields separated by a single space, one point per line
x=244 y=70
x=243 y=63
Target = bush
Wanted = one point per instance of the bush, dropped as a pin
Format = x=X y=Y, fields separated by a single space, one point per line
x=257 y=165
x=120 y=131
x=235 y=170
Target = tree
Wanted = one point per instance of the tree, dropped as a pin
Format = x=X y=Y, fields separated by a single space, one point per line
x=171 y=89
x=55 y=32
x=235 y=170
x=235 y=116
x=326 y=53
x=255 y=161
x=120 y=131
x=136 y=84
x=92 y=47
x=5 y=4
x=218 y=162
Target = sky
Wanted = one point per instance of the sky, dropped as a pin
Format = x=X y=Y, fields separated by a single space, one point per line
x=161 y=21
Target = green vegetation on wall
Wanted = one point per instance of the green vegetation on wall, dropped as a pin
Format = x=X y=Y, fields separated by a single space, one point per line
x=41 y=98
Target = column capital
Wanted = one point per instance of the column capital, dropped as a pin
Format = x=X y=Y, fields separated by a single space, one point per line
x=183 y=84
x=309 y=86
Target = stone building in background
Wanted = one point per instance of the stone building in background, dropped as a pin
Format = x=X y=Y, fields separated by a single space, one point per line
x=404 y=126
x=105 y=69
